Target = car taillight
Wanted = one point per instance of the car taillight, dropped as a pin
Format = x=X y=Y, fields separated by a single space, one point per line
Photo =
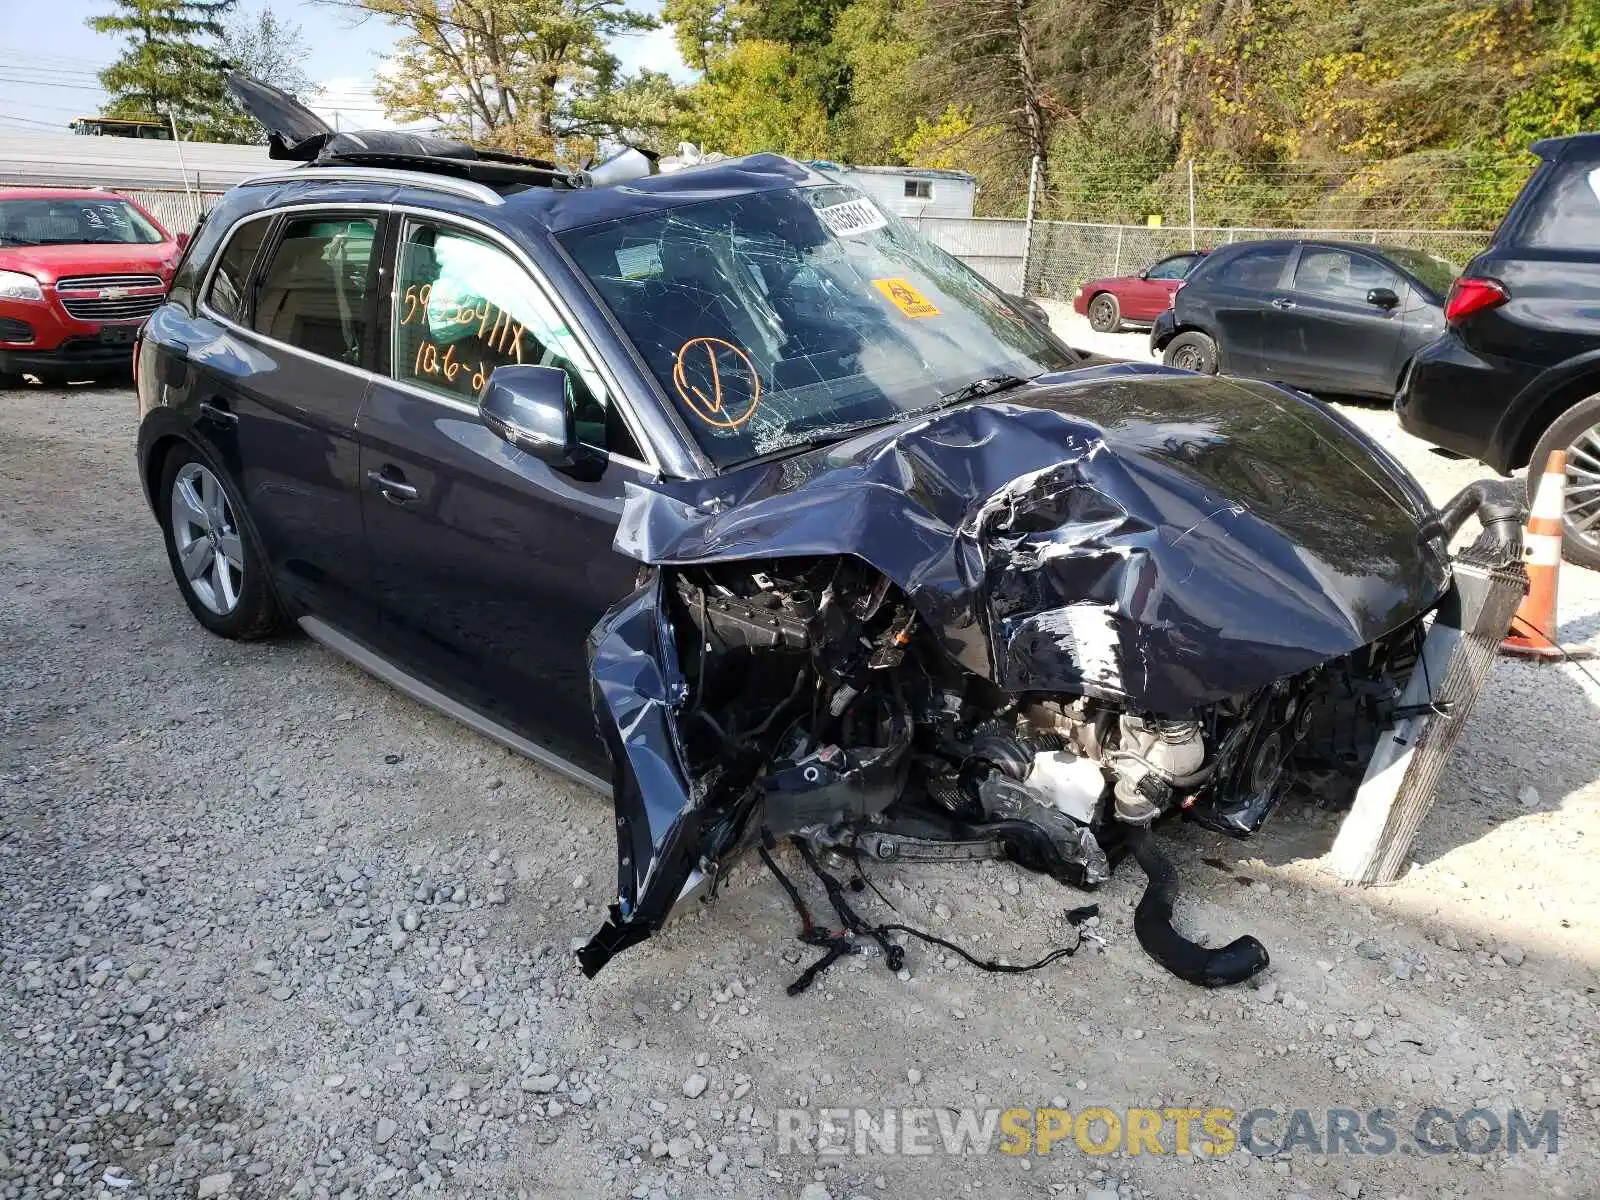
x=1468 y=295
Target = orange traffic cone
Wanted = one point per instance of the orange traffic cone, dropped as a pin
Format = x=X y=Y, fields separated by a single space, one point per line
x=1533 y=629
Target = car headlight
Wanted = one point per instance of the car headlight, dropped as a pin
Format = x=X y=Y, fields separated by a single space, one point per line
x=1077 y=293
x=14 y=285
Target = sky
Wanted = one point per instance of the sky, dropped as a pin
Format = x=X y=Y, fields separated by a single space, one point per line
x=55 y=81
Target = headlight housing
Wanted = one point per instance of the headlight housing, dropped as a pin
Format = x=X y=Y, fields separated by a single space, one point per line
x=14 y=285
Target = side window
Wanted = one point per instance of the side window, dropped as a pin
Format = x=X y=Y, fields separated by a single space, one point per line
x=1342 y=274
x=312 y=293
x=1568 y=215
x=463 y=306
x=1257 y=268
x=1172 y=268
x=226 y=293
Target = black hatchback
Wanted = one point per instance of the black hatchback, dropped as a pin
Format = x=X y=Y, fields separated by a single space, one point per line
x=724 y=492
x=1337 y=317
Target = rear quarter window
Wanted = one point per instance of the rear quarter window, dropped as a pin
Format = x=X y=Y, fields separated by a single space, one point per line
x=1567 y=215
x=225 y=295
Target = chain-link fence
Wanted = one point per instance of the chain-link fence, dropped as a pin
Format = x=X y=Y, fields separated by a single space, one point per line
x=1064 y=254
x=1094 y=220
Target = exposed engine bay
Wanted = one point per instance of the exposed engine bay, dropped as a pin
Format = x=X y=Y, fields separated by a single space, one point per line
x=817 y=706
x=1031 y=631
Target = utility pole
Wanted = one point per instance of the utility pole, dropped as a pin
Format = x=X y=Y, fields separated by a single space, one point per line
x=194 y=200
x=1191 y=204
x=1027 y=225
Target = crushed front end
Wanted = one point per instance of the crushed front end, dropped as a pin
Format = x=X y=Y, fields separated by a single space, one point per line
x=1028 y=630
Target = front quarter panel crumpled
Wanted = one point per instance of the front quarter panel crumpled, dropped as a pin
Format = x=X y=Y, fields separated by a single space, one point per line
x=1151 y=538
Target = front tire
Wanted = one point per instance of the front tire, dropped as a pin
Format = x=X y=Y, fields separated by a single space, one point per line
x=1192 y=351
x=214 y=557
x=1105 y=314
x=1577 y=431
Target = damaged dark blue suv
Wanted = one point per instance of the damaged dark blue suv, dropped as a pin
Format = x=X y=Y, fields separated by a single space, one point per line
x=724 y=492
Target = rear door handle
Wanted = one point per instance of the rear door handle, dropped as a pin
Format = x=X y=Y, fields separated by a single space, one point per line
x=1280 y=302
x=218 y=412
x=394 y=490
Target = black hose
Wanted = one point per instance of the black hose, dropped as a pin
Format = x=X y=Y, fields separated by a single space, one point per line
x=1152 y=924
x=1501 y=507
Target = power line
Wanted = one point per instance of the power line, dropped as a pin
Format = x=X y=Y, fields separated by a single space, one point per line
x=75 y=87
x=27 y=121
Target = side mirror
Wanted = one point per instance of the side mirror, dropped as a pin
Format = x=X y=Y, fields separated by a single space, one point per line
x=1030 y=308
x=1382 y=297
x=1145 y=273
x=531 y=407
x=182 y=238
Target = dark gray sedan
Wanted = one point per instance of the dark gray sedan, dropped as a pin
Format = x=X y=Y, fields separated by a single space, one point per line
x=1325 y=316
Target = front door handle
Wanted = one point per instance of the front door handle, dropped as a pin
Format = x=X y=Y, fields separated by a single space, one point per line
x=394 y=490
x=1280 y=302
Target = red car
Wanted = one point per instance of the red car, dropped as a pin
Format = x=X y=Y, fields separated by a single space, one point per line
x=1138 y=298
x=80 y=270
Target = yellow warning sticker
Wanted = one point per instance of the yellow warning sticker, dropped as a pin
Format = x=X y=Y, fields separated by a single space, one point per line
x=906 y=298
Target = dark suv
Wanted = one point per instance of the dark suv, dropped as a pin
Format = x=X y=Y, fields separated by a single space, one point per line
x=1517 y=372
x=724 y=492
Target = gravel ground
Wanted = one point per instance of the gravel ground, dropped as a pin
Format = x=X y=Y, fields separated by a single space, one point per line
x=268 y=928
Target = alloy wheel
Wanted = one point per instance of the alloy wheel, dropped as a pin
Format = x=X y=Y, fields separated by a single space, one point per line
x=206 y=538
x=1582 y=509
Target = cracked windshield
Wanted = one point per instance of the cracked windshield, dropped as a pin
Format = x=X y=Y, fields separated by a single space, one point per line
x=797 y=317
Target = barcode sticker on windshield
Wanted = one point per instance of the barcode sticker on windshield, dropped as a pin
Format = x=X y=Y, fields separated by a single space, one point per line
x=639 y=262
x=852 y=217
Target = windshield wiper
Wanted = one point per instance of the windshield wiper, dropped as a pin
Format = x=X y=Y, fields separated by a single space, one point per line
x=988 y=385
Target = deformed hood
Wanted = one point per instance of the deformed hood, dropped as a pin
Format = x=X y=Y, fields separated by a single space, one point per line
x=1148 y=537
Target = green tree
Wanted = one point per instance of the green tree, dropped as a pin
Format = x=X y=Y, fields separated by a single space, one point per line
x=704 y=30
x=533 y=76
x=756 y=97
x=873 y=42
x=170 y=67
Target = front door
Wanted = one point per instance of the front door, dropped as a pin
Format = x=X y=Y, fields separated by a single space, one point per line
x=489 y=567
x=1150 y=294
x=280 y=388
x=1327 y=335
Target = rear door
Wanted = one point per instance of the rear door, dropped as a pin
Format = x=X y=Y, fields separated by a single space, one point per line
x=1327 y=335
x=281 y=386
x=489 y=567
x=1232 y=300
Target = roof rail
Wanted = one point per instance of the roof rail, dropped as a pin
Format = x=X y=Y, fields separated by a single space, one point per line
x=467 y=188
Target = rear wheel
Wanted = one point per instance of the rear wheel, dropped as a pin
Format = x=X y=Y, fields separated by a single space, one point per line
x=1192 y=351
x=1577 y=431
x=1105 y=314
x=219 y=568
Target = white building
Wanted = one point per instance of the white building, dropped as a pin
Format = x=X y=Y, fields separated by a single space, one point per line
x=914 y=191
